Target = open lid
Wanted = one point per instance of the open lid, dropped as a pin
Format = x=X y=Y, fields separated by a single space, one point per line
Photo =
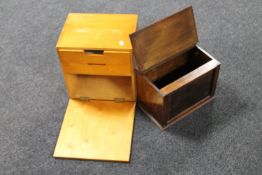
x=164 y=39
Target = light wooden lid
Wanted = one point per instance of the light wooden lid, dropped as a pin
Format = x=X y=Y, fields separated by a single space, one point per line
x=97 y=31
x=164 y=39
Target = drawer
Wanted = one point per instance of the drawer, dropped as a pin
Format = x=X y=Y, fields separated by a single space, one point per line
x=94 y=57
x=92 y=69
x=96 y=62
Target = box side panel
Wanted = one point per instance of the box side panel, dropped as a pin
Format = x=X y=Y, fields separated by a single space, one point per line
x=188 y=95
x=150 y=99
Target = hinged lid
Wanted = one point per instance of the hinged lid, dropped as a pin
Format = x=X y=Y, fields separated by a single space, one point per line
x=97 y=31
x=164 y=39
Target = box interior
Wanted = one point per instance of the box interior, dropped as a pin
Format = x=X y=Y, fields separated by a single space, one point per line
x=177 y=67
x=99 y=87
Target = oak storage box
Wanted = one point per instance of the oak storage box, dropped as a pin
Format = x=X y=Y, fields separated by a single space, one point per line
x=174 y=76
x=95 y=54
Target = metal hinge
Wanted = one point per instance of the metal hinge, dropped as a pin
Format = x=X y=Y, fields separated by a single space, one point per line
x=84 y=98
x=119 y=100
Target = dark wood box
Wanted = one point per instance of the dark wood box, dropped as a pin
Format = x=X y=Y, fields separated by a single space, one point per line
x=174 y=76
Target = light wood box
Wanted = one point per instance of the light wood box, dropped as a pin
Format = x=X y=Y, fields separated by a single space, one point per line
x=174 y=75
x=95 y=54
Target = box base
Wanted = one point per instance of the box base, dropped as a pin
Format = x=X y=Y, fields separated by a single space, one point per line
x=180 y=115
x=97 y=130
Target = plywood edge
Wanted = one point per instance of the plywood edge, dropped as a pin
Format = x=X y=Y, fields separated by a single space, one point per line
x=99 y=160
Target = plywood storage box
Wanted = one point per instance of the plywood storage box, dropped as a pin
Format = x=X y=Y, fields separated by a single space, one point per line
x=174 y=75
x=95 y=53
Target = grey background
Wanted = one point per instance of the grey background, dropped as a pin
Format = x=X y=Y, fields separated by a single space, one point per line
x=224 y=137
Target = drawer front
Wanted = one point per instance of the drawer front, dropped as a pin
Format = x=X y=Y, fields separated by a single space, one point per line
x=106 y=63
x=188 y=95
x=93 y=69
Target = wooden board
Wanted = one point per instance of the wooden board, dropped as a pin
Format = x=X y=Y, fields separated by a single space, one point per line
x=97 y=130
x=97 y=31
x=161 y=41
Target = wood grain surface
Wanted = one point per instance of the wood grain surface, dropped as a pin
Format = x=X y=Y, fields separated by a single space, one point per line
x=98 y=130
x=164 y=39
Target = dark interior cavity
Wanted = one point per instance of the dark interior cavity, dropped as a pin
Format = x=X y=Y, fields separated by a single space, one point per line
x=195 y=59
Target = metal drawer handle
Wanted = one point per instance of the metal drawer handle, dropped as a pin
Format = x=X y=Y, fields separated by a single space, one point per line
x=97 y=52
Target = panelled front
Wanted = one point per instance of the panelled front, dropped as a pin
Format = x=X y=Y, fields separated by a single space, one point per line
x=105 y=63
x=188 y=95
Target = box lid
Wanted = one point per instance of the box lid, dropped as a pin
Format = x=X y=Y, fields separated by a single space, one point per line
x=164 y=39
x=97 y=31
x=97 y=130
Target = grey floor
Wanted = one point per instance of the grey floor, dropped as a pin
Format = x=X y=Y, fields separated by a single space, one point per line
x=224 y=137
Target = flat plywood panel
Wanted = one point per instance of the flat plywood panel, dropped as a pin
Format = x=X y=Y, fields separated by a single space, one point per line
x=97 y=130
